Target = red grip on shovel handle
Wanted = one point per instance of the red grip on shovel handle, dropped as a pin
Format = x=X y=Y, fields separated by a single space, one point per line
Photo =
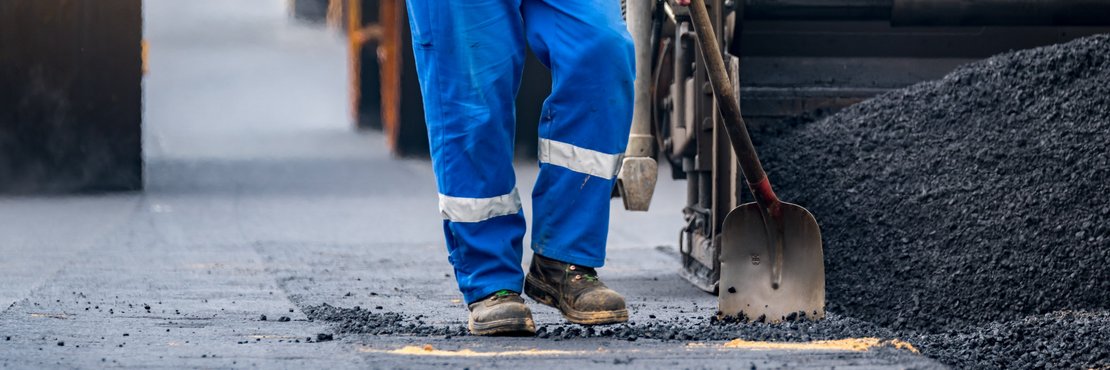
x=766 y=197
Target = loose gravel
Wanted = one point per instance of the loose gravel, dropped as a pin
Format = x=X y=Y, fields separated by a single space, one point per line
x=358 y=320
x=968 y=216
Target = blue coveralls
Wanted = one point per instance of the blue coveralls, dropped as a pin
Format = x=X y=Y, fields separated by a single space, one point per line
x=469 y=56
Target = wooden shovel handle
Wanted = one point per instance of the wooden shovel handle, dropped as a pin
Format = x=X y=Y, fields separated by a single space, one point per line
x=729 y=105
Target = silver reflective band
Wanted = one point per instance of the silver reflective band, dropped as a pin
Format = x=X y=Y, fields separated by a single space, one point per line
x=582 y=160
x=458 y=209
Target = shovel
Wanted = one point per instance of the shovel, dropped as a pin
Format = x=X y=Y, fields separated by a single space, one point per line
x=772 y=265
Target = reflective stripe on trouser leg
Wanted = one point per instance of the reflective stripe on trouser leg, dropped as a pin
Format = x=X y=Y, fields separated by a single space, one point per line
x=581 y=160
x=585 y=123
x=458 y=209
x=468 y=57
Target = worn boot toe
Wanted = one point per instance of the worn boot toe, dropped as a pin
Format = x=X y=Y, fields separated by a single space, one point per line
x=575 y=290
x=600 y=300
x=502 y=313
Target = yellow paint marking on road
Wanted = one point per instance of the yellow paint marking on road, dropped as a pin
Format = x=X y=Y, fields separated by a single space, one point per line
x=428 y=350
x=51 y=315
x=848 y=344
x=901 y=344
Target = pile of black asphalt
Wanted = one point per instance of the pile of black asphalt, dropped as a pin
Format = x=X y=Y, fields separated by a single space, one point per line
x=1058 y=340
x=973 y=209
x=969 y=216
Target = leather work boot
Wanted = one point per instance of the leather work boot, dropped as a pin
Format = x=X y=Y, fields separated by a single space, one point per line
x=575 y=290
x=502 y=313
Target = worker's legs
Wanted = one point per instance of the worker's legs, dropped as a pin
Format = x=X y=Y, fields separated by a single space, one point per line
x=584 y=125
x=469 y=55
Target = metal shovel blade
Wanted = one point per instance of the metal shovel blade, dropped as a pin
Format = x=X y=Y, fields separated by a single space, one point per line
x=748 y=261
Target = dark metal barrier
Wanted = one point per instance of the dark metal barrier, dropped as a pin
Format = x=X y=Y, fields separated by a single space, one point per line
x=70 y=95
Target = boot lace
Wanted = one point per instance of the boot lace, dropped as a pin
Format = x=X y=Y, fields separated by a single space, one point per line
x=587 y=273
x=502 y=294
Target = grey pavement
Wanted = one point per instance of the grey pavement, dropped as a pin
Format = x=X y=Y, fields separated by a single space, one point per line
x=261 y=200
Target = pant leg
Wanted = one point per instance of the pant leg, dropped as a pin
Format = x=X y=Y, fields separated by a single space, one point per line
x=585 y=123
x=469 y=56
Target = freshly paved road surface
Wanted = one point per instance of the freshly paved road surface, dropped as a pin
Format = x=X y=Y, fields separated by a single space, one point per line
x=262 y=200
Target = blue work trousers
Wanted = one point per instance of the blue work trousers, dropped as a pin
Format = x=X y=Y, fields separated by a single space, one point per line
x=469 y=57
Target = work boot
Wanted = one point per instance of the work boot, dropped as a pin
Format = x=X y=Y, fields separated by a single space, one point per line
x=575 y=290
x=501 y=313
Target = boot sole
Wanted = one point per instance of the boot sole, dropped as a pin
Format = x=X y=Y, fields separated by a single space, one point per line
x=542 y=293
x=504 y=327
